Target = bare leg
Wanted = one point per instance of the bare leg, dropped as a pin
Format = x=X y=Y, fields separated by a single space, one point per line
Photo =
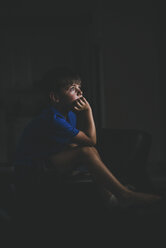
x=70 y=159
x=105 y=193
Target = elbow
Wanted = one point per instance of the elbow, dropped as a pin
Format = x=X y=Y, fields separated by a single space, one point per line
x=90 y=142
x=94 y=142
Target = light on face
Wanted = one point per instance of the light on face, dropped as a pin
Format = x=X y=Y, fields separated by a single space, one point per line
x=75 y=88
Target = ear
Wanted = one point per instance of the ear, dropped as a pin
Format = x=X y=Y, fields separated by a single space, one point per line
x=54 y=97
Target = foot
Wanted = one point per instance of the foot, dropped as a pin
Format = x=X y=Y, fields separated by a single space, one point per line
x=111 y=200
x=138 y=199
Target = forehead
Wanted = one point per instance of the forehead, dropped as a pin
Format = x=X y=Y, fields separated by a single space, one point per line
x=67 y=87
x=73 y=83
x=76 y=82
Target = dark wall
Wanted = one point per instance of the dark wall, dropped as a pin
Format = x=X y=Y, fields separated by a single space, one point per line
x=133 y=71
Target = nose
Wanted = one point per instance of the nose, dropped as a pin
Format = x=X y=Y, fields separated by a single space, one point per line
x=79 y=91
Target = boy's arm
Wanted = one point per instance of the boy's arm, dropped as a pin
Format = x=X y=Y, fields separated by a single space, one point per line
x=86 y=124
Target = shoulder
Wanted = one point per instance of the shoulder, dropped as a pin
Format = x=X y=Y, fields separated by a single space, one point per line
x=72 y=115
x=49 y=114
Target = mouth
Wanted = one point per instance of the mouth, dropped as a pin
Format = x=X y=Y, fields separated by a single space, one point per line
x=81 y=97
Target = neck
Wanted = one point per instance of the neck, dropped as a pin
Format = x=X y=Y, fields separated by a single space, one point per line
x=63 y=111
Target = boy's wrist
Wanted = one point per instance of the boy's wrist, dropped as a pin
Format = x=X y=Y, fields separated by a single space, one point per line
x=86 y=110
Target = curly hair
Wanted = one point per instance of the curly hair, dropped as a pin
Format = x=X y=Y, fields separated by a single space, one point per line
x=58 y=78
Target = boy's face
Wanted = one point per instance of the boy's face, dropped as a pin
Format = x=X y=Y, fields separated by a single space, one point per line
x=69 y=95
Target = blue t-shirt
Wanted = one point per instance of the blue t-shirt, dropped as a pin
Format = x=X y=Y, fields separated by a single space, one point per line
x=46 y=134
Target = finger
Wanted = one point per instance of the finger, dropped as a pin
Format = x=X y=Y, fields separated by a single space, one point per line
x=79 y=104
x=75 y=108
x=81 y=101
x=84 y=99
x=81 y=98
x=76 y=103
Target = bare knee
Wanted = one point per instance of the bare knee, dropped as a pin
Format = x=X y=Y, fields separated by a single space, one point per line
x=87 y=149
x=86 y=152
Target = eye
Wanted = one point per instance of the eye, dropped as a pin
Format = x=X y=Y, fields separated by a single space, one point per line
x=72 y=88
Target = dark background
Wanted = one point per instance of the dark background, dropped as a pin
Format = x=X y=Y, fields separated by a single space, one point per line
x=118 y=47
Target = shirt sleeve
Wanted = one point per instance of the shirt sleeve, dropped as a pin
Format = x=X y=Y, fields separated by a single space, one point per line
x=62 y=131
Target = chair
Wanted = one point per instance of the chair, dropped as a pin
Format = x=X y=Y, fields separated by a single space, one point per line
x=125 y=152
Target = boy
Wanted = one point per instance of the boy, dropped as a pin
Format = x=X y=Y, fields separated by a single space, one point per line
x=64 y=137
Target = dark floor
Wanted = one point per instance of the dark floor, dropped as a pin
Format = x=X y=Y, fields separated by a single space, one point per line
x=82 y=220
x=97 y=226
